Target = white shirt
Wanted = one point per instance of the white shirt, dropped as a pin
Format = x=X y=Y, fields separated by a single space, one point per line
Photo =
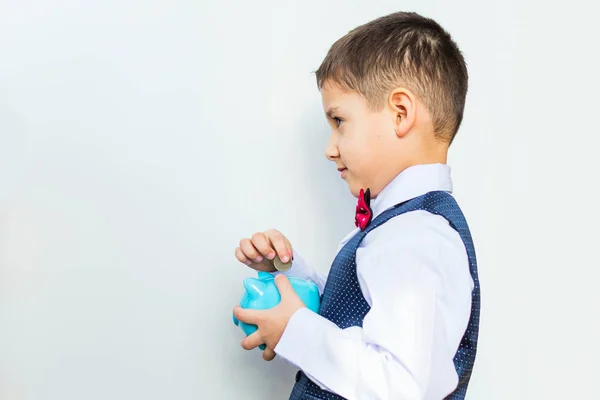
x=414 y=273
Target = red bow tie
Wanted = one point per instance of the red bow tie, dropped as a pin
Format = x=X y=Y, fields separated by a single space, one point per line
x=363 y=210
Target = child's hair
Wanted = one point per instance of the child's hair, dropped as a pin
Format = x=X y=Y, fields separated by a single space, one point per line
x=402 y=49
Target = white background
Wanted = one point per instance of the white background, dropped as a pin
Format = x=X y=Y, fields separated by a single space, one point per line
x=140 y=140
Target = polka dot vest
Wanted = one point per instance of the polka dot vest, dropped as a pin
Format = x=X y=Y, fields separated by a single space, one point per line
x=342 y=301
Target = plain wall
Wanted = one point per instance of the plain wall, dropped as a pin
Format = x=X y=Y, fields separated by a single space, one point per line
x=141 y=140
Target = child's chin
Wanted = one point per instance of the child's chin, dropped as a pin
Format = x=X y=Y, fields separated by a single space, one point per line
x=353 y=186
x=354 y=190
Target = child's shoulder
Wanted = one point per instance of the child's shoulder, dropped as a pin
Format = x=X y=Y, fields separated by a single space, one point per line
x=417 y=241
x=417 y=230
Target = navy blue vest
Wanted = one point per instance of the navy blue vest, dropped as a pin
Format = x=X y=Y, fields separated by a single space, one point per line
x=342 y=301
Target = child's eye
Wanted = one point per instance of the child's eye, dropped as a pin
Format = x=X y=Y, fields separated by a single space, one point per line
x=338 y=121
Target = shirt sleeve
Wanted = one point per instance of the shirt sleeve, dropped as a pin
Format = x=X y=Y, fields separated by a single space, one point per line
x=392 y=355
x=300 y=269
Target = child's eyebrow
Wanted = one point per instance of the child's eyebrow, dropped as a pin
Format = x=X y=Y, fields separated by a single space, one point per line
x=331 y=111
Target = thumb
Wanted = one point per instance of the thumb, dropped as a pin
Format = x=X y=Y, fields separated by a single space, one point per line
x=284 y=286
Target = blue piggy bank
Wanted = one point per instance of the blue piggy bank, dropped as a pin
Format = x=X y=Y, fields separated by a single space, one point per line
x=262 y=294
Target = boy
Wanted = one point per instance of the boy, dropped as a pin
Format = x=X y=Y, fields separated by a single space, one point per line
x=399 y=314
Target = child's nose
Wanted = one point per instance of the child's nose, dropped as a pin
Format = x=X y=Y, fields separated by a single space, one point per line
x=331 y=151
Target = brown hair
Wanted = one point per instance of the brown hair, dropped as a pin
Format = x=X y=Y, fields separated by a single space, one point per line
x=402 y=49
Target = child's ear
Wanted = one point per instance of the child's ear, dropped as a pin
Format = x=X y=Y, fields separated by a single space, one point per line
x=402 y=103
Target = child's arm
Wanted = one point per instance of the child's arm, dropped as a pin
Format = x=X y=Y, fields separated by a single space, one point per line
x=259 y=251
x=419 y=287
x=300 y=269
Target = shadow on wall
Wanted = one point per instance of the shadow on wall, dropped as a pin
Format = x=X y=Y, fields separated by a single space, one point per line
x=330 y=196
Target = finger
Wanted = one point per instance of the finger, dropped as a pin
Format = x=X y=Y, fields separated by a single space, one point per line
x=252 y=341
x=250 y=251
x=268 y=354
x=284 y=286
x=281 y=244
x=239 y=254
x=248 y=316
x=262 y=243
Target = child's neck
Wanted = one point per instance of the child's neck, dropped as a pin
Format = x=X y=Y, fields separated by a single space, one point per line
x=431 y=155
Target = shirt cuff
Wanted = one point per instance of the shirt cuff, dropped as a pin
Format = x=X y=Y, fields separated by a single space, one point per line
x=301 y=270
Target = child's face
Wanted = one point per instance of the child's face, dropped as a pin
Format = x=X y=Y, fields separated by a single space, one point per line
x=363 y=143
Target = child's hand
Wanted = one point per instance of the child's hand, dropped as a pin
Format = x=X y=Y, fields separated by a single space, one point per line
x=259 y=251
x=272 y=322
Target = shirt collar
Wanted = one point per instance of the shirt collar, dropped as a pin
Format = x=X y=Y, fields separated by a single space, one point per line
x=413 y=182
